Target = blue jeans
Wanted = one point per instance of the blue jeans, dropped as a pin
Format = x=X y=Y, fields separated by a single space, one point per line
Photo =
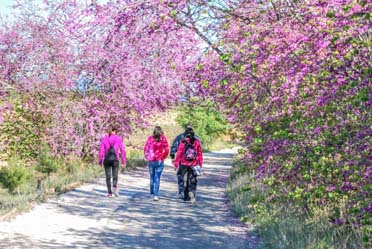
x=155 y=169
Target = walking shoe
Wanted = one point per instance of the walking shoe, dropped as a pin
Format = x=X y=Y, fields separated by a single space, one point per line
x=109 y=195
x=192 y=198
x=116 y=192
x=156 y=198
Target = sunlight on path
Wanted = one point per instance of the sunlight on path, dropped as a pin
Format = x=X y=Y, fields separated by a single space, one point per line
x=86 y=218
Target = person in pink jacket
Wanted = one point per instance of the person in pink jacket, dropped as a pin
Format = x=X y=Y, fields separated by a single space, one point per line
x=189 y=154
x=108 y=156
x=155 y=151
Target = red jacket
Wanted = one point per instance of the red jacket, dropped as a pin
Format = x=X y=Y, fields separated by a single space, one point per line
x=180 y=159
x=156 y=150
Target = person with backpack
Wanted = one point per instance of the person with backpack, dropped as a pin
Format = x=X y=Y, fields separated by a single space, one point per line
x=189 y=156
x=155 y=151
x=177 y=140
x=108 y=156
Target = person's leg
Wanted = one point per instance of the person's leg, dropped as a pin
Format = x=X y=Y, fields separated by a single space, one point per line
x=179 y=181
x=183 y=185
x=115 y=174
x=152 y=176
x=108 y=176
x=192 y=183
x=158 y=170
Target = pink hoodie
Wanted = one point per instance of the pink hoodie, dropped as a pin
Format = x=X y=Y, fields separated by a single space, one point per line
x=156 y=150
x=106 y=143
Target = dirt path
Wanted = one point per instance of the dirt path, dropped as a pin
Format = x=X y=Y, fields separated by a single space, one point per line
x=86 y=218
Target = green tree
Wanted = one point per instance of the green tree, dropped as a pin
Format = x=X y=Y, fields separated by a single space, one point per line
x=208 y=123
x=47 y=164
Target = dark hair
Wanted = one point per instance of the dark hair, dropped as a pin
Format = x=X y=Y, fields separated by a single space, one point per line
x=189 y=133
x=158 y=132
x=111 y=129
x=188 y=126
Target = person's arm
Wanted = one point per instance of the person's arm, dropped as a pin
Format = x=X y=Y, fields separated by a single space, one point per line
x=179 y=155
x=123 y=153
x=101 y=153
x=166 y=147
x=174 y=146
x=146 y=149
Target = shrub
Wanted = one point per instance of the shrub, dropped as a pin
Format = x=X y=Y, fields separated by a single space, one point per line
x=208 y=123
x=21 y=129
x=135 y=159
x=47 y=164
x=14 y=175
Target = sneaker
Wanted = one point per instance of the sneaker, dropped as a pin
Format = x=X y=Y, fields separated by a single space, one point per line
x=192 y=198
x=109 y=195
x=116 y=192
x=156 y=198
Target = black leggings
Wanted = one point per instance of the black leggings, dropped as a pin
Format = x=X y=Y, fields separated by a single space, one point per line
x=114 y=168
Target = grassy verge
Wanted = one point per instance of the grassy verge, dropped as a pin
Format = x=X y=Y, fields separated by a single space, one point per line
x=68 y=173
x=284 y=224
x=222 y=143
x=39 y=188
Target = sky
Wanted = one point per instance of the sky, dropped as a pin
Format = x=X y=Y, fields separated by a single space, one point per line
x=4 y=6
x=6 y=10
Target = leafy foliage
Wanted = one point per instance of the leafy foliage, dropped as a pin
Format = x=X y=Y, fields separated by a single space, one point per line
x=47 y=164
x=21 y=128
x=14 y=175
x=208 y=122
x=96 y=65
x=295 y=77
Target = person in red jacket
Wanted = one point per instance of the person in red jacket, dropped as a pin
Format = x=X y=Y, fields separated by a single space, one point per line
x=189 y=154
x=155 y=151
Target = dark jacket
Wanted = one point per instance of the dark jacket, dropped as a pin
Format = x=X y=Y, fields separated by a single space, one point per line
x=175 y=144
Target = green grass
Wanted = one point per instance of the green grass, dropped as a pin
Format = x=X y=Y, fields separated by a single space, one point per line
x=286 y=225
x=56 y=184
x=71 y=172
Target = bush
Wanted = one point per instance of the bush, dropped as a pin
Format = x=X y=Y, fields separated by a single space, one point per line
x=14 y=175
x=47 y=164
x=208 y=123
x=135 y=159
x=73 y=165
x=21 y=129
x=284 y=223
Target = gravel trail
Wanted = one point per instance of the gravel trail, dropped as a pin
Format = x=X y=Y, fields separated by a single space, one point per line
x=86 y=218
